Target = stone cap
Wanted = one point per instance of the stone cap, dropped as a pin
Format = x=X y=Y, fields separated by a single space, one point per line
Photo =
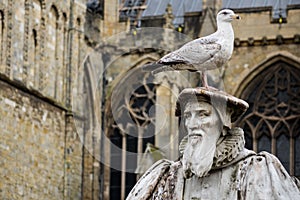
x=217 y=98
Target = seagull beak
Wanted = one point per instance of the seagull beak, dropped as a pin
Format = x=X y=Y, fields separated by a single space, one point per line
x=235 y=17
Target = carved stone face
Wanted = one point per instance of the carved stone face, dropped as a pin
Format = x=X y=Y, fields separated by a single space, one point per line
x=202 y=120
x=204 y=129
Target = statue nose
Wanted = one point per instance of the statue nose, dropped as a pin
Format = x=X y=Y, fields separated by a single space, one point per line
x=194 y=128
x=194 y=123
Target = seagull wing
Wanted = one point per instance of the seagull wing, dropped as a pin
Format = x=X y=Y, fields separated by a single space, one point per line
x=195 y=52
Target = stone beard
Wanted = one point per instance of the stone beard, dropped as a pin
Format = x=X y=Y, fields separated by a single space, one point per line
x=204 y=128
x=198 y=157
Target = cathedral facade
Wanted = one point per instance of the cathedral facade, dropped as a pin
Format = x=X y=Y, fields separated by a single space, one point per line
x=80 y=119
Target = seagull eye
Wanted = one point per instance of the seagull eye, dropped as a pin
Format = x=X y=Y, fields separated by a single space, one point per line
x=225 y=13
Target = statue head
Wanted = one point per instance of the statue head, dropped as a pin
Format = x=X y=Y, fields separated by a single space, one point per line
x=228 y=108
x=201 y=119
x=206 y=115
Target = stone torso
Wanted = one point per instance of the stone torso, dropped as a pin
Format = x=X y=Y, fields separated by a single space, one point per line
x=248 y=177
x=236 y=174
x=219 y=184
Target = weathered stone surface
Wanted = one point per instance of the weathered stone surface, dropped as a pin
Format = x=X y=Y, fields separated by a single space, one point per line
x=32 y=146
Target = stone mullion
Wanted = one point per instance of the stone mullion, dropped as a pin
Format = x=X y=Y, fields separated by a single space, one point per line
x=79 y=61
x=58 y=60
x=42 y=81
x=75 y=61
x=37 y=60
x=3 y=47
x=65 y=60
x=1 y=38
x=140 y=146
x=26 y=48
x=9 y=23
x=255 y=144
x=79 y=48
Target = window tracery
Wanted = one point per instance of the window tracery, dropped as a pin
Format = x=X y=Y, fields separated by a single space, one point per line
x=140 y=108
x=272 y=120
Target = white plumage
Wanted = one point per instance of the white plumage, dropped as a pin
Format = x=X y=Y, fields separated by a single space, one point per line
x=206 y=53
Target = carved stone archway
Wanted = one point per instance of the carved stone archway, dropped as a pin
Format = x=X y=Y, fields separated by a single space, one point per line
x=130 y=127
x=272 y=120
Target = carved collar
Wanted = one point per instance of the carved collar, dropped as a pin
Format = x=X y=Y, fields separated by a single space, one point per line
x=228 y=147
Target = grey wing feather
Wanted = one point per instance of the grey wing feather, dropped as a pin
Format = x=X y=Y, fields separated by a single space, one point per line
x=195 y=52
x=151 y=66
x=156 y=68
x=162 y=69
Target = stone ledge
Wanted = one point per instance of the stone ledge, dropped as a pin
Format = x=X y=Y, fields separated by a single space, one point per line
x=21 y=86
x=267 y=41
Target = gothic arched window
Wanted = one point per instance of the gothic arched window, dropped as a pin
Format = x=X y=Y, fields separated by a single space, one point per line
x=33 y=59
x=34 y=44
x=59 y=58
x=272 y=122
x=76 y=56
x=64 y=58
x=51 y=44
x=132 y=129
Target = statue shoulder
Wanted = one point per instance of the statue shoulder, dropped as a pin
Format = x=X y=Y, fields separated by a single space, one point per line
x=264 y=175
x=263 y=159
x=146 y=184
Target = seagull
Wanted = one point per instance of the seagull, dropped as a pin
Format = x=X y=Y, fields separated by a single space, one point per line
x=205 y=53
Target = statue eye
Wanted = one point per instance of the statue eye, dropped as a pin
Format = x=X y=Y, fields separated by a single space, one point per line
x=187 y=115
x=203 y=113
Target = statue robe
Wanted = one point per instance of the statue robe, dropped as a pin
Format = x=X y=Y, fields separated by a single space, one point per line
x=249 y=176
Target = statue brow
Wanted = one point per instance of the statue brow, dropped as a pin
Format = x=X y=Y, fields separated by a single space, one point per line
x=201 y=110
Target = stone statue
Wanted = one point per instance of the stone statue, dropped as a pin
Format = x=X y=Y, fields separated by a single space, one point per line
x=214 y=163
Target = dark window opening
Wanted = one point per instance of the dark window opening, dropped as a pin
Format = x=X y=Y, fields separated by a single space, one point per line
x=272 y=120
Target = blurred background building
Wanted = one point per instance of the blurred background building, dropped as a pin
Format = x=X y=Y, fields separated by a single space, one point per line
x=73 y=95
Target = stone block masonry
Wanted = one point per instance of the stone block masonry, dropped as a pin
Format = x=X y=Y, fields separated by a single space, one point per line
x=32 y=149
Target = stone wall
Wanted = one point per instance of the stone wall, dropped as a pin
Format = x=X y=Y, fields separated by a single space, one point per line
x=239 y=69
x=111 y=25
x=257 y=40
x=40 y=149
x=42 y=156
x=33 y=146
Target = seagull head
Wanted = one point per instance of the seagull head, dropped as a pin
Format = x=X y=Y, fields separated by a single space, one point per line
x=227 y=15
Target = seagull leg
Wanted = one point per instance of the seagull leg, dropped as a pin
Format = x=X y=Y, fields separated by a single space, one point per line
x=204 y=79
